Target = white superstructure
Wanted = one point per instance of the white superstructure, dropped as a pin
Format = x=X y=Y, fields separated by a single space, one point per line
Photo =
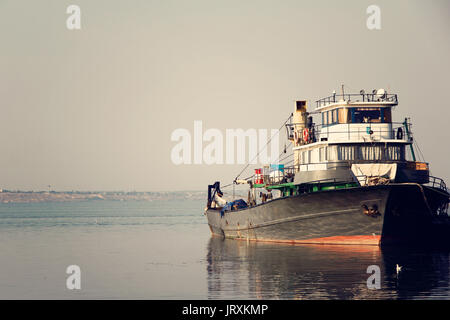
x=355 y=128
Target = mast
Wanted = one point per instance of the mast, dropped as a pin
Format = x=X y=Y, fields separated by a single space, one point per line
x=405 y=123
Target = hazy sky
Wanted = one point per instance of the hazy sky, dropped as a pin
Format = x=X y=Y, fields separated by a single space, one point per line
x=93 y=109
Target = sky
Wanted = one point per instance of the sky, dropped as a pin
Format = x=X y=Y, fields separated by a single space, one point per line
x=94 y=109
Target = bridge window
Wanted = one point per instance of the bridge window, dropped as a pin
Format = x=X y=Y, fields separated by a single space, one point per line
x=326 y=118
x=387 y=116
x=366 y=115
x=343 y=115
x=331 y=117
x=357 y=115
x=334 y=116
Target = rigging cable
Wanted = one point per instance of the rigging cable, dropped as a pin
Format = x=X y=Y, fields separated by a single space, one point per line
x=418 y=148
x=268 y=142
x=286 y=157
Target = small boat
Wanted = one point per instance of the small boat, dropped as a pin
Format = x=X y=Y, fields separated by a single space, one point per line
x=354 y=179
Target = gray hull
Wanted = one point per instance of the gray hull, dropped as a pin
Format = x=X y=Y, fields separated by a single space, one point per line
x=333 y=217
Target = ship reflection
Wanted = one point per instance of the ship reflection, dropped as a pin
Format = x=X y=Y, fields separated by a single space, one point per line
x=250 y=270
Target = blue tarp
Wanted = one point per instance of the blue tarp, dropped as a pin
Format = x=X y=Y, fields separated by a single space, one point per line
x=277 y=167
x=234 y=205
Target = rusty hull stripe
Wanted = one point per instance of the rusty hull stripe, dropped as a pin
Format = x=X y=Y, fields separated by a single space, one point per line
x=337 y=240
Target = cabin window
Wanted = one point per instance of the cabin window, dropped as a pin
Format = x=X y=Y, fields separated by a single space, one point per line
x=395 y=153
x=387 y=115
x=334 y=116
x=343 y=115
x=323 y=154
x=357 y=115
x=366 y=115
x=346 y=152
x=331 y=153
x=370 y=153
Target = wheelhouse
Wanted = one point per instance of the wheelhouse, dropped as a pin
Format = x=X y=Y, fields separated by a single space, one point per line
x=345 y=115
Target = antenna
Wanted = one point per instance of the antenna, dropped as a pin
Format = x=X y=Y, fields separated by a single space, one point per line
x=362 y=93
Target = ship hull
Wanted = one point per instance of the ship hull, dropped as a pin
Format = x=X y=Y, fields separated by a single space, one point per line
x=398 y=213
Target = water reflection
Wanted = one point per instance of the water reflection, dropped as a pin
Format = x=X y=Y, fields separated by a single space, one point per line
x=249 y=270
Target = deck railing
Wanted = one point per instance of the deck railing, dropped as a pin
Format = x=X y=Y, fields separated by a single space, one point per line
x=318 y=133
x=438 y=183
x=287 y=174
x=366 y=97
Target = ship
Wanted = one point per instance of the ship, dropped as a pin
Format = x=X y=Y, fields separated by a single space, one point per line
x=354 y=179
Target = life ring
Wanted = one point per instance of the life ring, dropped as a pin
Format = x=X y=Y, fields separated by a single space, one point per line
x=305 y=134
x=400 y=134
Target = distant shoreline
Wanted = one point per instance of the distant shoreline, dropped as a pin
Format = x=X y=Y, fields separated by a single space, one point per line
x=64 y=196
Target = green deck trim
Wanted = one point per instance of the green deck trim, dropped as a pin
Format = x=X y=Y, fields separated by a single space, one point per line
x=259 y=186
x=288 y=189
x=322 y=187
x=281 y=186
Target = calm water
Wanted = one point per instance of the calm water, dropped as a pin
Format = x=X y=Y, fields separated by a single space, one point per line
x=163 y=250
